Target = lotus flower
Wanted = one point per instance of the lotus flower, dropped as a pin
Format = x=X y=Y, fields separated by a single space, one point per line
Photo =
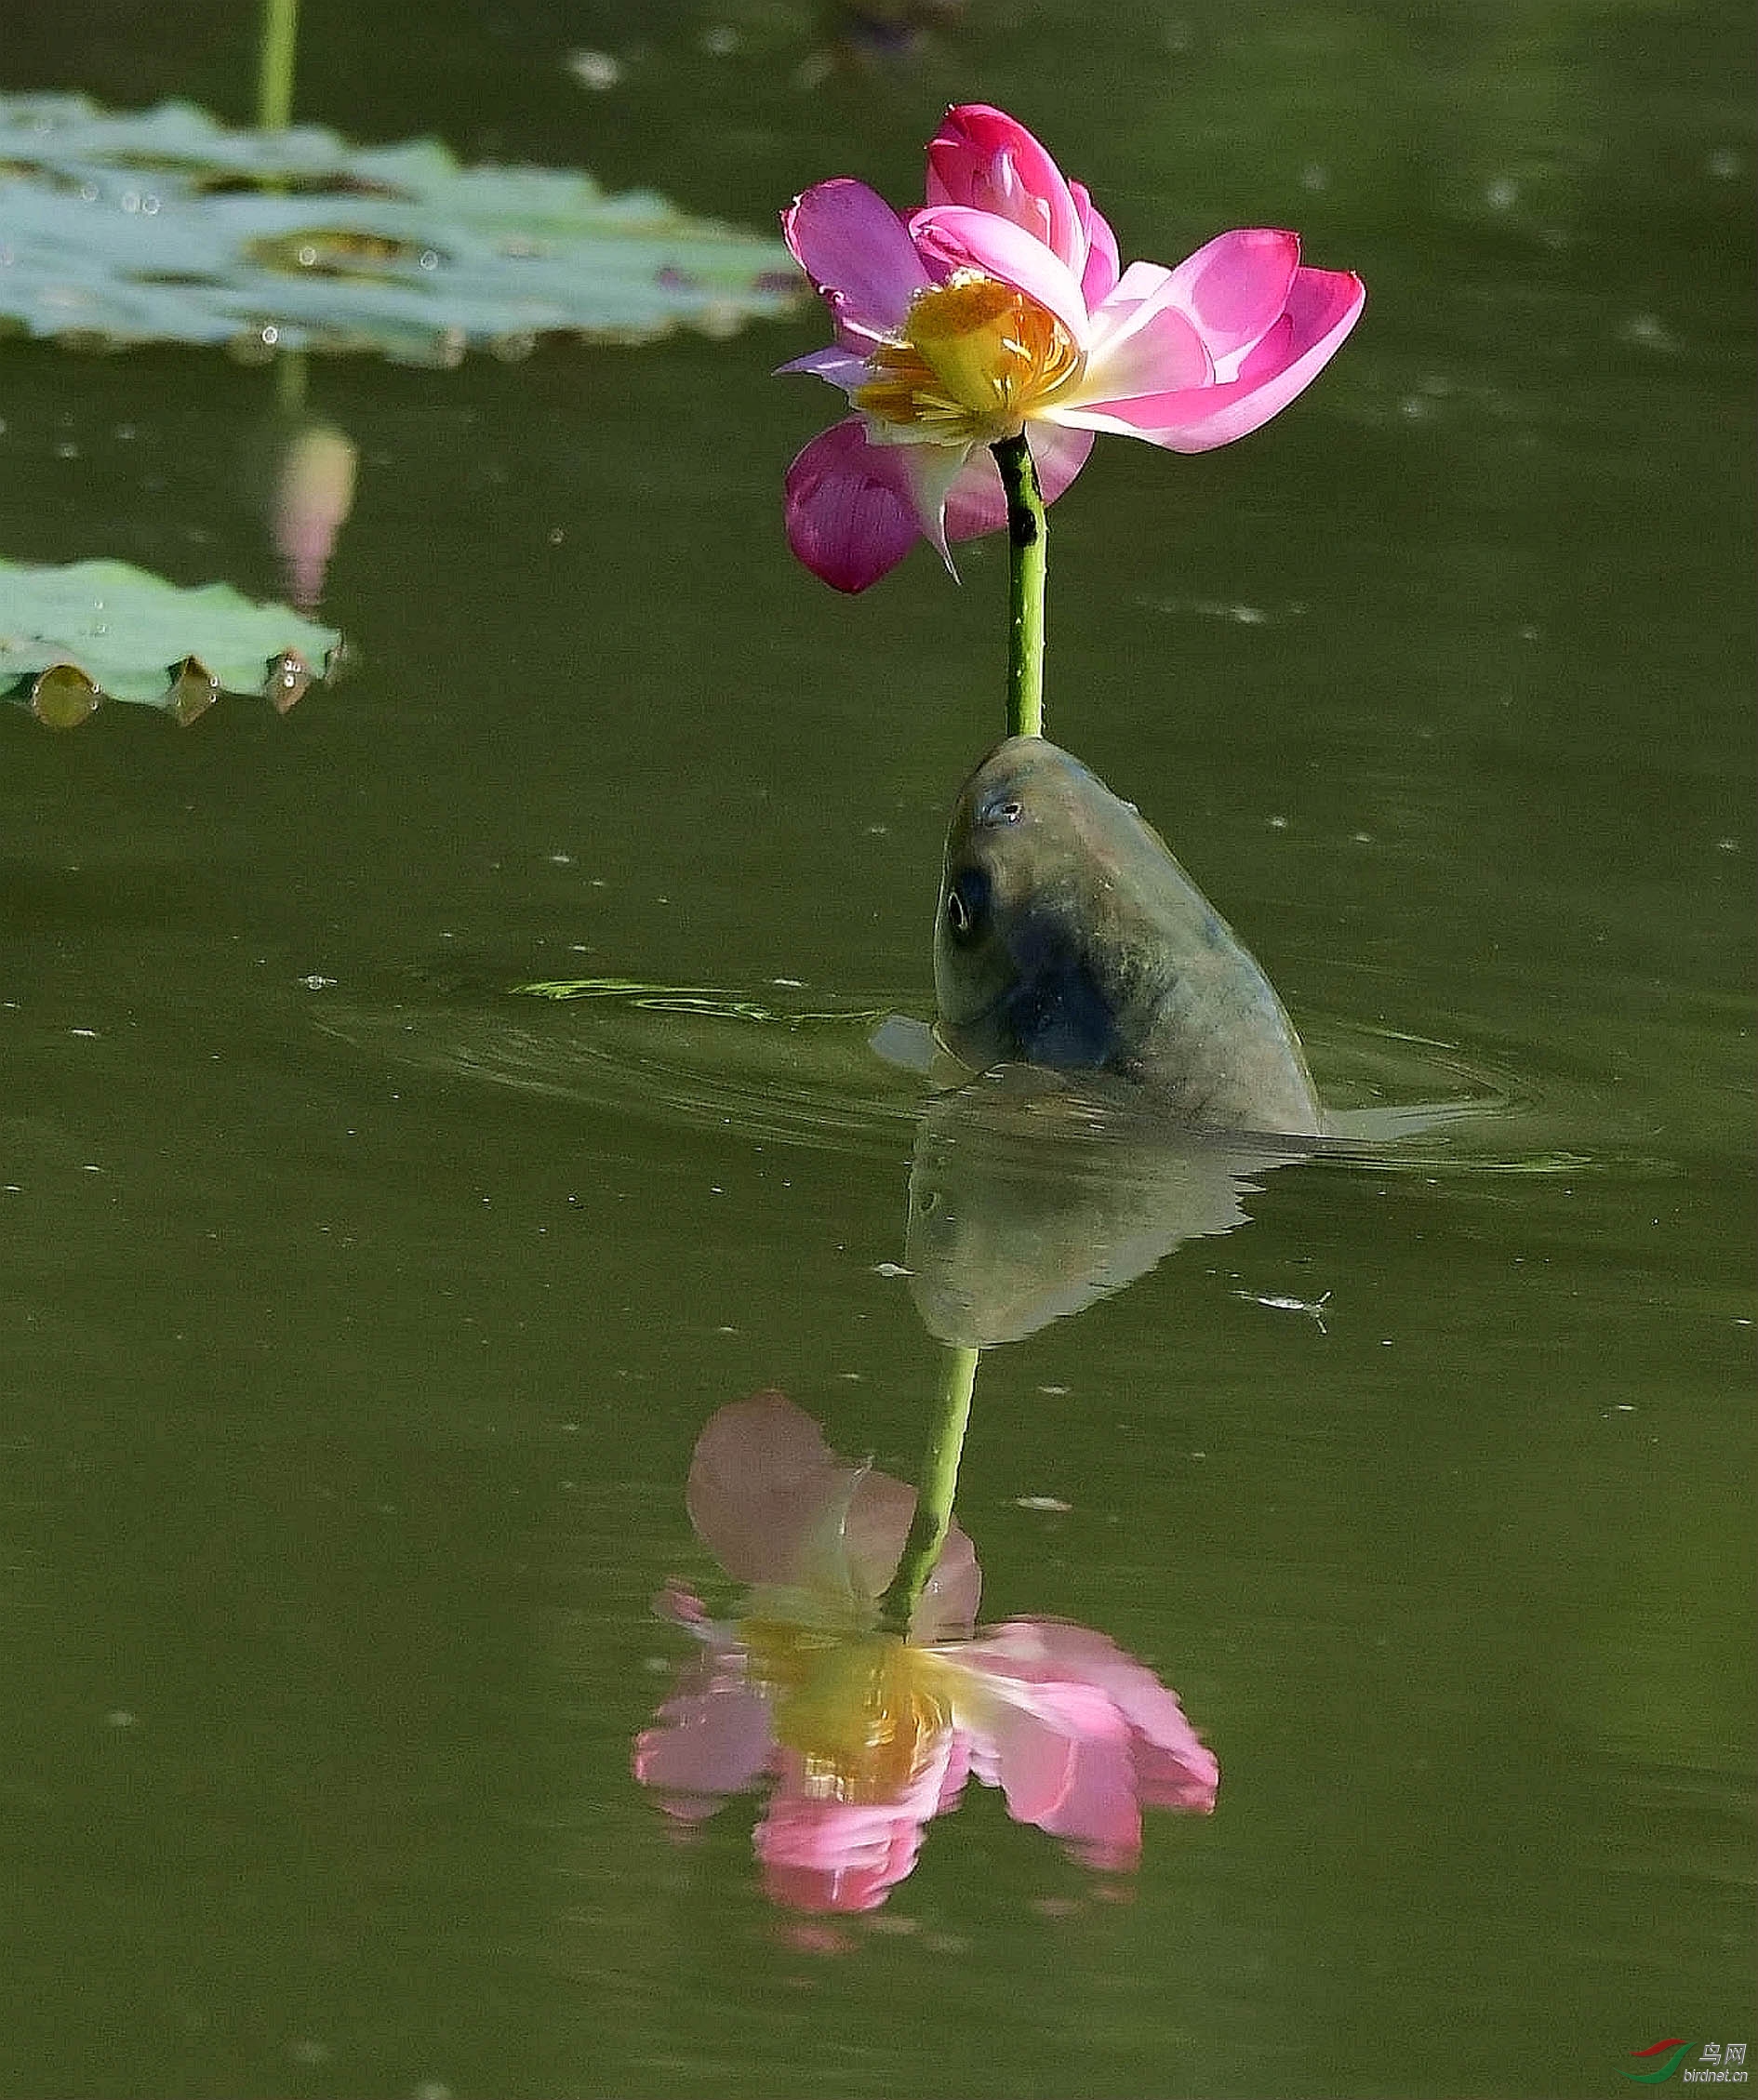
x=1000 y=307
x=861 y=1736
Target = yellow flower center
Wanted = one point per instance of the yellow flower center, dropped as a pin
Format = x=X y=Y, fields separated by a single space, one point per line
x=865 y=1713
x=975 y=359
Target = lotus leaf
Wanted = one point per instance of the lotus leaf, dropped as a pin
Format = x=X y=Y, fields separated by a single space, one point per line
x=167 y=226
x=70 y=636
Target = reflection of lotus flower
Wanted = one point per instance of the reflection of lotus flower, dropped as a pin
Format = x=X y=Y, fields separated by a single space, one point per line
x=1000 y=307
x=864 y=1737
x=314 y=493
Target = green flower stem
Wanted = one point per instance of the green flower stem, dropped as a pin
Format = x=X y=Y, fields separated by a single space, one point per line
x=275 y=64
x=933 y=1515
x=1029 y=548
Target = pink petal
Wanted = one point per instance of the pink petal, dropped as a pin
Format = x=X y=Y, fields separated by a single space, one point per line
x=1169 y=1778
x=1103 y=260
x=978 y=504
x=1150 y=1707
x=845 y=368
x=1032 y=1763
x=934 y=471
x=1175 y=1768
x=1323 y=307
x=954 y=1777
x=772 y=1502
x=706 y=1745
x=1141 y=286
x=761 y=1477
x=1157 y=350
x=1100 y=1816
x=950 y=237
x=875 y=1524
x=679 y=1604
x=1237 y=286
x=874 y=1529
x=857 y=253
x=947 y=1608
x=828 y=1856
x=985 y=160
x=850 y=507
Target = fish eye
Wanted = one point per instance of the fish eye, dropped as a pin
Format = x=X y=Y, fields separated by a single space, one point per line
x=966 y=900
x=1007 y=811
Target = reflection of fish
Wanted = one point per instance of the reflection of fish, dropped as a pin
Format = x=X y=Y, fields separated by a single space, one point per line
x=1068 y=937
x=1031 y=1194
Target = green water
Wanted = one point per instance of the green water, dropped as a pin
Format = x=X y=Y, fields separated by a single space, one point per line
x=358 y=1331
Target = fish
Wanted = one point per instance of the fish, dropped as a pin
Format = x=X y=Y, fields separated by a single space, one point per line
x=1067 y=936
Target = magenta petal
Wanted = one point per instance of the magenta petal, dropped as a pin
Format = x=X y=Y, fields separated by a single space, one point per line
x=950 y=237
x=1103 y=261
x=857 y=251
x=851 y=514
x=983 y=159
x=1237 y=286
x=1323 y=307
x=978 y=503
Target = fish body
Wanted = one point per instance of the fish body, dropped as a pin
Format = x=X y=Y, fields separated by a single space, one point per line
x=1069 y=938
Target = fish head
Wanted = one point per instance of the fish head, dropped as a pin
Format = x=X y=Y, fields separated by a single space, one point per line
x=1069 y=938
x=1024 y=889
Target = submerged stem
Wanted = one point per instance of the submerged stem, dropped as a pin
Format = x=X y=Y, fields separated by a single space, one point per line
x=1027 y=548
x=275 y=64
x=933 y=1517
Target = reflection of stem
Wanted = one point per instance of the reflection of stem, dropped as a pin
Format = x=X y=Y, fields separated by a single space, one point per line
x=939 y=1483
x=1029 y=548
x=275 y=64
x=289 y=381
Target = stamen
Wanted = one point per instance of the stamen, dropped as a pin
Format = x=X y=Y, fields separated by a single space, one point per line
x=975 y=358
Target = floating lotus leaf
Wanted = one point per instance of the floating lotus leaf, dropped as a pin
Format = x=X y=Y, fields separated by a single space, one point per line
x=165 y=226
x=70 y=637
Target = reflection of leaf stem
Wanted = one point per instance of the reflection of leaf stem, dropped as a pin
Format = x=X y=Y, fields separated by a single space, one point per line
x=1028 y=550
x=274 y=63
x=939 y=1484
